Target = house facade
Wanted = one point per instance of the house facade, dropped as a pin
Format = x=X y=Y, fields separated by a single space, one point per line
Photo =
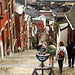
x=28 y=32
x=45 y=13
x=62 y=34
x=7 y=28
x=12 y=27
x=39 y=24
x=20 y=24
x=41 y=17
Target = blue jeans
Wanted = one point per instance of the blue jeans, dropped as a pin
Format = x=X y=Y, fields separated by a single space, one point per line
x=69 y=61
x=60 y=63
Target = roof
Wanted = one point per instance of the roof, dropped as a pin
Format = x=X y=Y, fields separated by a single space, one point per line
x=40 y=17
x=21 y=2
x=69 y=3
x=61 y=11
x=60 y=14
x=18 y=8
x=31 y=12
x=70 y=16
x=63 y=20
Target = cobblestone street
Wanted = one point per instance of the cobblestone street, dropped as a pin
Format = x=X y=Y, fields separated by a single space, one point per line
x=23 y=63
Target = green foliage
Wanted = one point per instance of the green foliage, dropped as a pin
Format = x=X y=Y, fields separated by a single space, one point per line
x=33 y=42
x=57 y=24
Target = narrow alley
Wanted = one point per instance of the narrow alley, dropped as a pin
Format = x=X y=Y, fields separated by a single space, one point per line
x=23 y=63
x=27 y=27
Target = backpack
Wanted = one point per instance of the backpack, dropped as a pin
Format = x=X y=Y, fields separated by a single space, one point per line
x=61 y=53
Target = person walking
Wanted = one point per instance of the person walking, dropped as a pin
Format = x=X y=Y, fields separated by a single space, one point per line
x=61 y=53
x=71 y=54
x=51 y=49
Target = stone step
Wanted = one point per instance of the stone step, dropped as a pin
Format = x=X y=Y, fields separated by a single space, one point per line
x=16 y=70
x=19 y=61
x=19 y=65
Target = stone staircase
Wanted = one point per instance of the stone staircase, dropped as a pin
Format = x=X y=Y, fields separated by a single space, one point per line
x=22 y=63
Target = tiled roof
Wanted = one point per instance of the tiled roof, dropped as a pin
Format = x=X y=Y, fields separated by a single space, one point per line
x=21 y=2
x=31 y=12
x=19 y=8
x=60 y=14
x=71 y=17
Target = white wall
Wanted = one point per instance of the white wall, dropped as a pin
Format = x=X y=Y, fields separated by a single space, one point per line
x=58 y=38
x=63 y=36
x=1 y=49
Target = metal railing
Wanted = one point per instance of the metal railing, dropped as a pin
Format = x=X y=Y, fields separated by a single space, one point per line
x=42 y=57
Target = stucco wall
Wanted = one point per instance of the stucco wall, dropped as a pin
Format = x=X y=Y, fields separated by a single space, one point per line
x=63 y=36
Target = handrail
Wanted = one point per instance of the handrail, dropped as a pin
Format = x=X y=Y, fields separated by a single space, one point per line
x=44 y=68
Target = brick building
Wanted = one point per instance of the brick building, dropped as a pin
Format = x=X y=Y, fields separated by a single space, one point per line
x=7 y=27
x=28 y=32
x=13 y=41
x=20 y=24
